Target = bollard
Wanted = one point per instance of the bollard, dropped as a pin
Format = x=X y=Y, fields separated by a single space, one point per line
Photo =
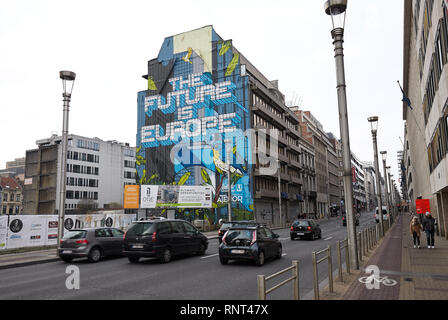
x=295 y=283
x=359 y=246
x=338 y=248
x=261 y=287
x=330 y=271
x=316 y=280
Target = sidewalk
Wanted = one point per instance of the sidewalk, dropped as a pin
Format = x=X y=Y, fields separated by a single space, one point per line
x=420 y=274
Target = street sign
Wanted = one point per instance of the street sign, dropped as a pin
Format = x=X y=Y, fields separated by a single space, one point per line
x=422 y=206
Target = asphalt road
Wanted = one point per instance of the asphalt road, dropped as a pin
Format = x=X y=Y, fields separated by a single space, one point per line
x=184 y=278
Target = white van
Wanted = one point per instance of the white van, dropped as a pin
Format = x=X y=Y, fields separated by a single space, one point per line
x=377 y=218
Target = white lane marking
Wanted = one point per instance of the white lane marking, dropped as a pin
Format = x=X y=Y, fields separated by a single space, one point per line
x=283 y=239
x=329 y=238
x=210 y=256
x=283 y=254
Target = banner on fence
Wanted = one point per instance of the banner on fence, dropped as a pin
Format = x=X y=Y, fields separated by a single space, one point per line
x=42 y=230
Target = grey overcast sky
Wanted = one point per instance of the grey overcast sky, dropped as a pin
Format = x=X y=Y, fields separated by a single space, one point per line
x=107 y=43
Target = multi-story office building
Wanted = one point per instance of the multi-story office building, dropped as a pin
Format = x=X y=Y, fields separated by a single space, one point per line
x=96 y=173
x=14 y=169
x=312 y=130
x=425 y=81
x=334 y=190
x=10 y=196
x=202 y=96
x=370 y=185
x=359 y=190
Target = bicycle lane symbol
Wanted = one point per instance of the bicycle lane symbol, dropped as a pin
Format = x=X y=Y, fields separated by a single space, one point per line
x=374 y=280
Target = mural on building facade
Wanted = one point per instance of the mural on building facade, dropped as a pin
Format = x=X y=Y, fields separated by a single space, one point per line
x=196 y=103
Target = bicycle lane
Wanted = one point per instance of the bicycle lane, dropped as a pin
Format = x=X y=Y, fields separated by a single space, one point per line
x=388 y=259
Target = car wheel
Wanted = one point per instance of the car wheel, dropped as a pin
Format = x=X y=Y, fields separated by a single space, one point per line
x=223 y=261
x=279 y=252
x=292 y=238
x=320 y=235
x=201 y=250
x=166 y=256
x=260 y=259
x=67 y=259
x=133 y=259
x=94 y=254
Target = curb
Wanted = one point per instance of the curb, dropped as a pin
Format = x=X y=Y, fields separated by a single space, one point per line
x=28 y=263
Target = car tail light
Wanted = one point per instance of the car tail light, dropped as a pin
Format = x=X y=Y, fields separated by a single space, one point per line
x=154 y=236
x=83 y=241
x=309 y=228
x=292 y=228
x=61 y=241
x=220 y=233
x=124 y=235
x=254 y=237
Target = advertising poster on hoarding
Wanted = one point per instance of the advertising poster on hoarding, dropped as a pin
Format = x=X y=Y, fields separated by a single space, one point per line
x=3 y=231
x=27 y=231
x=167 y=196
x=51 y=237
x=131 y=194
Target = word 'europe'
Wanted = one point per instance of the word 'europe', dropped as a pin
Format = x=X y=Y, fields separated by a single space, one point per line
x=192 y=100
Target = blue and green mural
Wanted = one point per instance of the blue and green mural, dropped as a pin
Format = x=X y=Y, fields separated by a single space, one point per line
x=192 y=121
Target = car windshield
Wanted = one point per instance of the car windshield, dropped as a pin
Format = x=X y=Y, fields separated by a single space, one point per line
x=140 y=229
x=226 y=225
x=239 y=234
x=301 y=223
x=75 y=234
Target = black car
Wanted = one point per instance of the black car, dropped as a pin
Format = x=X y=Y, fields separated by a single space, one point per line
x=162 y=239
x=305 y=228
x=344 y=220
x=227 y=225
x=91 y=243
x=253 y=243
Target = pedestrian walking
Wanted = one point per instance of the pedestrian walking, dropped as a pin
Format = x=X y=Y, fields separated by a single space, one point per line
x=429 y=226
x=415 y=228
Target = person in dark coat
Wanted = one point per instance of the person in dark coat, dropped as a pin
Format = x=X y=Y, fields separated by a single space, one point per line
x=429 y=226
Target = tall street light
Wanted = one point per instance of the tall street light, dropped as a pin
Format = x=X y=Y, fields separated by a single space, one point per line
x=279 y=190
x=68 y=80
x=374 y=127
x=386 y=183
x=228 y=148
x=336 y=9
x=391 y=191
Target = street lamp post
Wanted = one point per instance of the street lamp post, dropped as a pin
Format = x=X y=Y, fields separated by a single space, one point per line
x=229 y=179
x=336 y=9
x=279 y=191
x=374 y=126
x=68 y=80
x=391 y=191
x=386 y=183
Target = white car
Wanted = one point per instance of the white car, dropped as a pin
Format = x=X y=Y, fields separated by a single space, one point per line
x=385 y=216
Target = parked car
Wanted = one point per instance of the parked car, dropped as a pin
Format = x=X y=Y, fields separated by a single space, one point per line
x=227 y=225
x=385 y=216
x=162 y=239
x=253 y=243
x=344 y=219
x=305 y=228
x=93 y=243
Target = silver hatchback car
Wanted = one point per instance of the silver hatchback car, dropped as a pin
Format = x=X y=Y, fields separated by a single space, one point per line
x=92 y=243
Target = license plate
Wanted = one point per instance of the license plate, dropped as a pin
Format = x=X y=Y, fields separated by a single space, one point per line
x=137 y=246
x=300 y=234
x=67 y=251
x=237 y=251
